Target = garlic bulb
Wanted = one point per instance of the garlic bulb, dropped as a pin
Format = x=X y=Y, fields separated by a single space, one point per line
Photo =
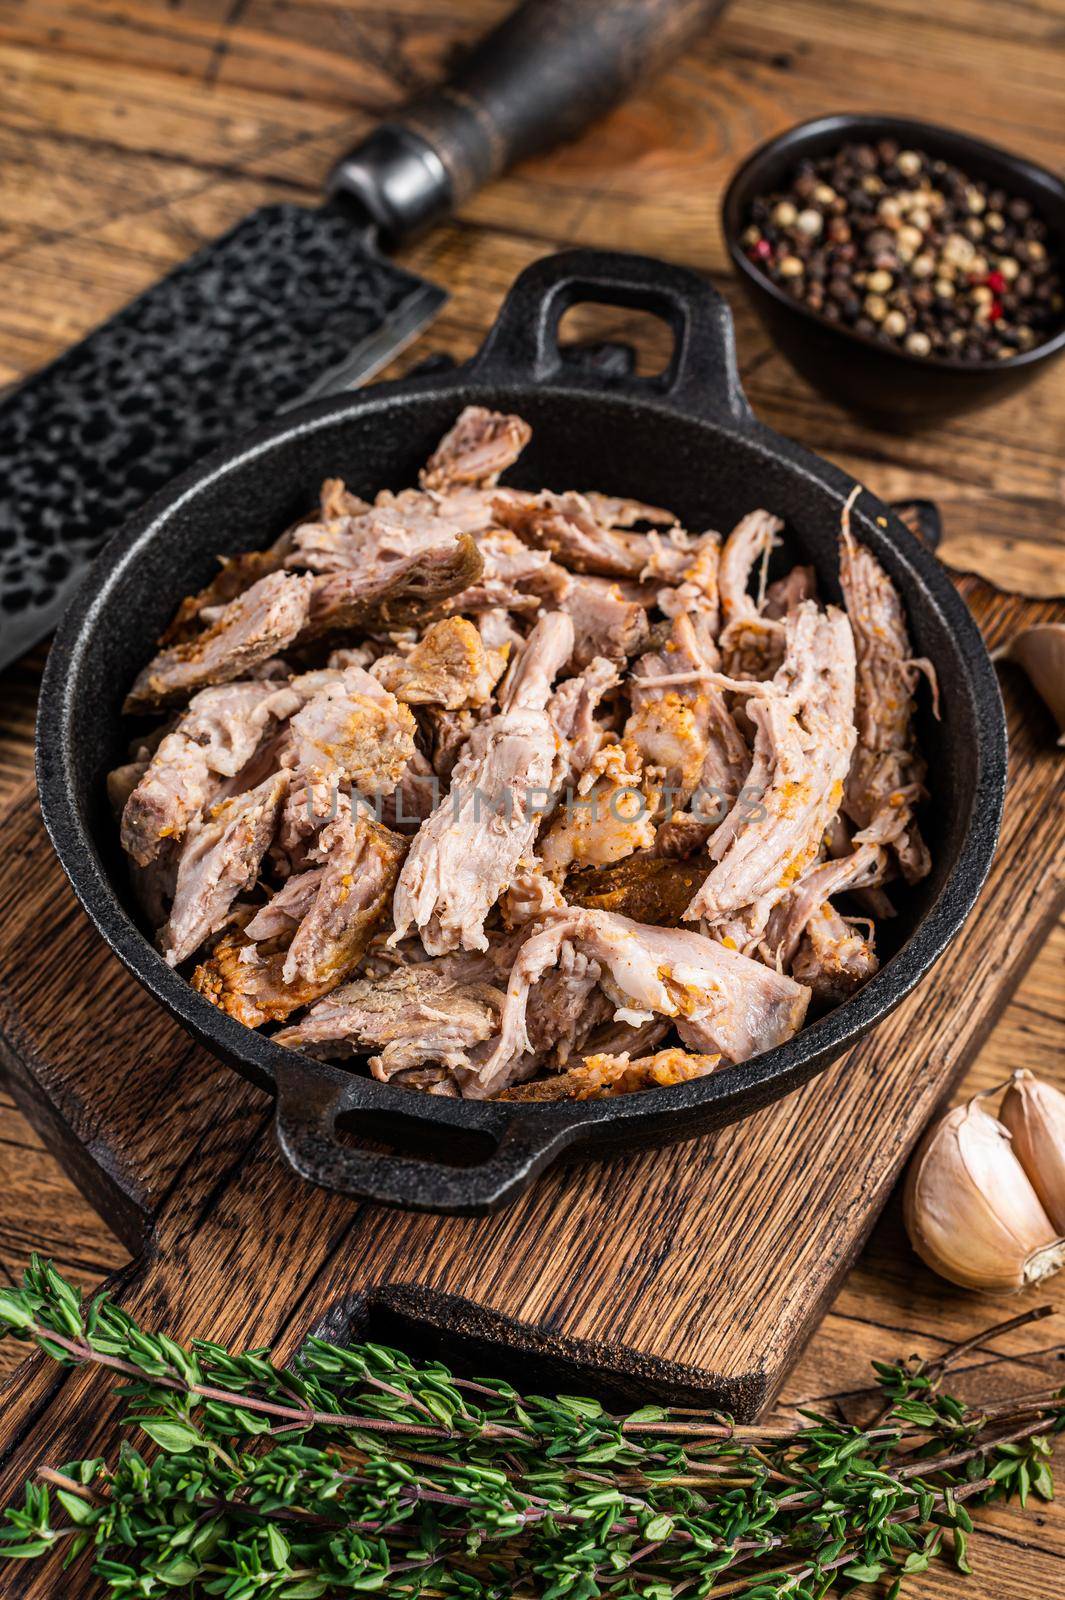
x=970 y=1211
x=1034 y=1113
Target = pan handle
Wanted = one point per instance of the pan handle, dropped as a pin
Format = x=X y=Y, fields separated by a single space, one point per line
x=311 y=1096
x=702 y=377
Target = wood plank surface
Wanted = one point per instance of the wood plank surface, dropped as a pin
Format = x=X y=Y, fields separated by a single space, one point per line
x=693 y=1273
x=130 y=133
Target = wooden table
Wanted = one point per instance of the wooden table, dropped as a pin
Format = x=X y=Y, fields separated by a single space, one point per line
x=130 y=134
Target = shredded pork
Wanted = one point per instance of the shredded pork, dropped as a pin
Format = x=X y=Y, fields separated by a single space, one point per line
x=531 y=794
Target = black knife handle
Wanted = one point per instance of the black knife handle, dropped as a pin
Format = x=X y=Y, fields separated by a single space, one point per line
x=548 y=70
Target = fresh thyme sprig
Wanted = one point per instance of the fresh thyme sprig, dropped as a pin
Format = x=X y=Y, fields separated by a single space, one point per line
x=357 y=1469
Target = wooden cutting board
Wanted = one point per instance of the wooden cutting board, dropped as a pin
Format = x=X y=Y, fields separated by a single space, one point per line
x=695 y=1271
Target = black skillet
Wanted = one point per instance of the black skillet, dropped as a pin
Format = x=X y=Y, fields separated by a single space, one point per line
x=686 y=439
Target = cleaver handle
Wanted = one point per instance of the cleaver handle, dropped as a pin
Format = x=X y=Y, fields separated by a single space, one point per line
x=538 y=79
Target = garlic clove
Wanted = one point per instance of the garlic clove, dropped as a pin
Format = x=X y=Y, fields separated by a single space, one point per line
x=970 y=1211
x=1034 y=1113
x=1041 y=652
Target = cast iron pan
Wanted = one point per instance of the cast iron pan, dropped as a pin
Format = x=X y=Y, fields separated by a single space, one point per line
x=686 y=439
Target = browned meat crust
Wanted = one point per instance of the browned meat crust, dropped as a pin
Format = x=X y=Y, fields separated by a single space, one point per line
x=406 y=593
x=323 y=950
x=602 y=1077
x=654 y=889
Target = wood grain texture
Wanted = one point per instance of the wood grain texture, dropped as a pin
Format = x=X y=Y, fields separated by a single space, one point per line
x=130 y=134
x=693 y=1272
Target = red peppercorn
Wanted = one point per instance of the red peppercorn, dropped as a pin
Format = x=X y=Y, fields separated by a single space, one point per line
x=994 y=311
x=995 y=282
x=762 y=250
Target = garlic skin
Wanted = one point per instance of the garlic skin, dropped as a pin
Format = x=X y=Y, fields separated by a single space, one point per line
x=1040 y=650
x=970 y=1211
x=1034 y=1113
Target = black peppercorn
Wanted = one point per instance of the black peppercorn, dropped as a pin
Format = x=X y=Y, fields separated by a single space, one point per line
x=909 y=249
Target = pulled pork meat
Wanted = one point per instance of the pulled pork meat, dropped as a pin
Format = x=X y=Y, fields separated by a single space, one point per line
x=465 y=853
x=602 y=1076
x=248 y=631
x=887 y=773
x=524 y=793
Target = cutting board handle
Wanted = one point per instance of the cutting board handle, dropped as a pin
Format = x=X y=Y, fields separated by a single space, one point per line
x=551 y=68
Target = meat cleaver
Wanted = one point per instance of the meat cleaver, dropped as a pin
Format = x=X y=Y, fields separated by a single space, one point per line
x=292 y=302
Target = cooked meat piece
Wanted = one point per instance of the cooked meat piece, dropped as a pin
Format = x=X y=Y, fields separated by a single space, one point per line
x=121 y=782
x=174 y=788
x=355 y=732
x=351 y=734
x=804 y=740
x=683 y=835
x=361 y=861
x=667 y=732
x=790 y=591
x=471 y=509
x=723 y=1002
x=217 y=737
x=427 y=1080
x=566 y=1005
x=249 y=985
x=229 y=723
x=464 y=855
x=695 y=586
x=481 y=445
x=336 y=500
x=498 y=632
x=153 y=885
x=609 y=815
x=685 y=727
x=415 y=797
x=413 y=1017
x=604 y=622
x=375 y=538
x=749 y=542
x=448 y=732
x=627 y=1039
x=839 y=842
x=220 y=860
x=449 y=667
x=238 y=574
x=323 y=919
x=508 y=565
x=566 y=525
x=886 y=771
x=401 y=593
x=572 y=710
x=282 y=914
x=865 y=867
x=751 y=644
x=603 y=1076
x=528 y=684
x=652 y=889
x=833 y=959
x=507 y=560
x=251 y=628
x=529 y=894
x=614 y=512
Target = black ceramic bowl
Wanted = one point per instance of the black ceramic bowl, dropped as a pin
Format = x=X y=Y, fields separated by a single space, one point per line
x=887 y=385
x=686 y=439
